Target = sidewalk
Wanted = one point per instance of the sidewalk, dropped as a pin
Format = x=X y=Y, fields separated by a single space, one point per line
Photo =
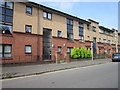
x=43 y=68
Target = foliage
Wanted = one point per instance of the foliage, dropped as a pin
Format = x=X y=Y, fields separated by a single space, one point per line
x=77 y=53
x=7 y=75
x=62 y=61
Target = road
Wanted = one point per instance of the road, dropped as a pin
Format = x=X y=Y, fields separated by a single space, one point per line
x=96 y=76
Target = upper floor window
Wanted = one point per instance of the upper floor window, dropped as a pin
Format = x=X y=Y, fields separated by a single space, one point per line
x=59 y=34
x=94 y=29
x=88 y=26
x=81 y=38
x=8 y=5
x=108 y=41
x=104 y=40
x=69 y=22
x=29 y=10
x=47 y=15
x=70 y=29
x=5 y=50
x=28 y=28
x=80 y=24
x=5 y=29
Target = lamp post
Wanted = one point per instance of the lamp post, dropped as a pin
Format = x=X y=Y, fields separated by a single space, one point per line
x=92 y=50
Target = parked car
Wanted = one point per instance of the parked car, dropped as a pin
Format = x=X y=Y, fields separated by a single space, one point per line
x=116 y=57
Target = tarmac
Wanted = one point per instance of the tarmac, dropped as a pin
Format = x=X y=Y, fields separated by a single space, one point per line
x=27 y=70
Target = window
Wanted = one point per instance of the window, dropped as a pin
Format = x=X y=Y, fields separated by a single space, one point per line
x=104 y=40
x=9 y=5
x=6 y=17
x=70 y=29
x=108 y=41
x=59 y=49
x=5 y=29
x=94 y=29
x=59 y=34
x=29 y=10
x=28 y=28
x=47 y=15
x=28 y=49
x=5 y=50
x=81 y=38
x=69 y=49
x=99 y=39
x=88 y=26
x=81 y=33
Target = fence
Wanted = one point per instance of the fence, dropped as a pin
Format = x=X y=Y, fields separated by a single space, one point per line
x=20 y=59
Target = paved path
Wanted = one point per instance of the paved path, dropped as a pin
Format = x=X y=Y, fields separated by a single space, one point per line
x=38 y=69
x=96 y=76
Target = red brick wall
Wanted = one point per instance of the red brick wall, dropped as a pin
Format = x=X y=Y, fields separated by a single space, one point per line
x=19 y=40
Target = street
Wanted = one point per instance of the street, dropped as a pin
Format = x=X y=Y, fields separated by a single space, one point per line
x=96 y=76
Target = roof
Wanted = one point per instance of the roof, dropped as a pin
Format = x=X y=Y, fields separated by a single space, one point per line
x=107 y=29
x=45 y=8
x=93 y=21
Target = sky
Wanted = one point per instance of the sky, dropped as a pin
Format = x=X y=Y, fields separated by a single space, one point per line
x=106 y=13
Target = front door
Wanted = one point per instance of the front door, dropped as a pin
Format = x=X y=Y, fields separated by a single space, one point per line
x=47 y=44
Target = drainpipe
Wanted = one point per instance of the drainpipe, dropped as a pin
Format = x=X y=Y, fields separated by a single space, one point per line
x=38 y=39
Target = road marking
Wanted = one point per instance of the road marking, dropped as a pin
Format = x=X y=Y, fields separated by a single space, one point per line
x=57 y=71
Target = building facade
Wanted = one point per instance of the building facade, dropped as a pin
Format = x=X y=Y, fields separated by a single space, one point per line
x=32 y=32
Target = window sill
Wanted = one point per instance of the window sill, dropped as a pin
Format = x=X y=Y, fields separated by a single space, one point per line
x=47 y=18
x=28 y=14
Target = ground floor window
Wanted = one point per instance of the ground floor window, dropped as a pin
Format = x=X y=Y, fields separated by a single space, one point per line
x=69 y=49
x=5 y=50
x=59 y=49
x=28 y=49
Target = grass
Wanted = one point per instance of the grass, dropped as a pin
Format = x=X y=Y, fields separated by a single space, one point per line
x=8 y=75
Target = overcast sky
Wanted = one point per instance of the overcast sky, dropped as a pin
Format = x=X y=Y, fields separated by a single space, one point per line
x=106 y=13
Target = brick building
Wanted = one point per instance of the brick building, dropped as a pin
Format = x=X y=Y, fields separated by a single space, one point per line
x=32 y=32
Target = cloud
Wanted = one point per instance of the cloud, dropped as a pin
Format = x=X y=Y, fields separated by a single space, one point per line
x=64 y=6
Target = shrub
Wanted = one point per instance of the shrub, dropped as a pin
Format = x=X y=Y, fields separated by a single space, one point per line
x=89 y=54
x=75 y=53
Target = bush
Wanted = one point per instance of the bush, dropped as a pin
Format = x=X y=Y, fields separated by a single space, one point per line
x=77 y=53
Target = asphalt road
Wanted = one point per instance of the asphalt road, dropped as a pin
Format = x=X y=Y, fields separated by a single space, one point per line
x=96 y=76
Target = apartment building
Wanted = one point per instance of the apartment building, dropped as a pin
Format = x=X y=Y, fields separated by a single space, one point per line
x=32 y=32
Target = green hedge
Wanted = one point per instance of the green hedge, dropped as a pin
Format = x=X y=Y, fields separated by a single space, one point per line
x=77 y=53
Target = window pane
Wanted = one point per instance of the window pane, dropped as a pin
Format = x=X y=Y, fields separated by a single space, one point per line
x=28 y=28
x=1 y=55
x=2 y=10
x=8 y=19
x=7 y=49
x=6 y=28
x=9 y=12
x=0 y=48
x=59 y=34
x=49 y=16
x=29 y=10
x=1 y=17
x=7 y=55
x=45 y=14
x=28 y=49
x=2 y=4
x=9 y=5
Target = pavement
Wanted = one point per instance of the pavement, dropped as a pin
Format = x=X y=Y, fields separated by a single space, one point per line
x=45 y=68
